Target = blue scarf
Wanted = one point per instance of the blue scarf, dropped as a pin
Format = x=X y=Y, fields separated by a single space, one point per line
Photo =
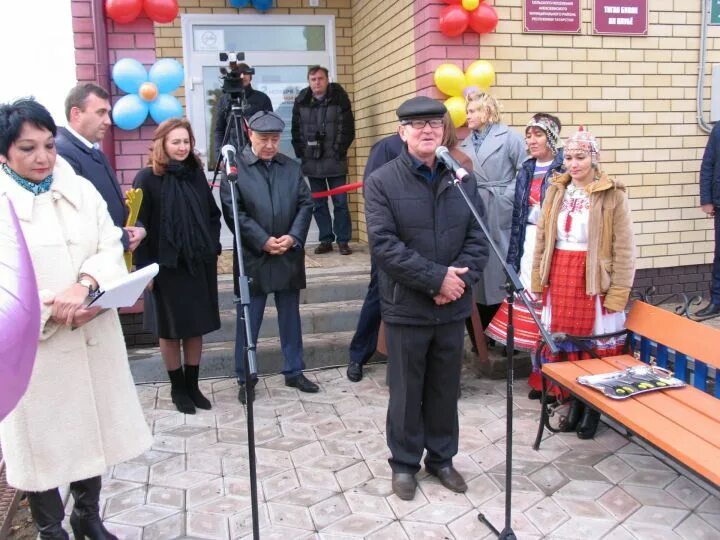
x=478 y=137
x=32 y=187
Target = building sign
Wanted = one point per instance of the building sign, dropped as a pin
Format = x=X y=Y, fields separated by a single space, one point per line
x=620 y=17
x=552 y=16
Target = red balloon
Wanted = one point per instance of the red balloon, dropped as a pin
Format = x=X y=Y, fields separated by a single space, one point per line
x=458 y=2
x=484 y=19
x=161 y=11
x=453 y=20
x=123 y=11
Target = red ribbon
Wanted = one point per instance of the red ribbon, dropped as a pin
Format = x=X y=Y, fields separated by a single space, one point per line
x=337 y=190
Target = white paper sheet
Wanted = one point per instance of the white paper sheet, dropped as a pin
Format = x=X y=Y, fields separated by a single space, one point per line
x=125 y=291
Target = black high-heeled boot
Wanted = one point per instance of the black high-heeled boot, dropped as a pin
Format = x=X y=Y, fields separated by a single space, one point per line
x=178 y=392
x=588 y=425
x=48 y=512
x=192 y=374
x=575 y=413
x=85 y=518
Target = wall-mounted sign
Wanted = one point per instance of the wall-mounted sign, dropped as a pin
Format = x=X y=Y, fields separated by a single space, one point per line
x=715 y=12
x=552 y=16
x=620 y=17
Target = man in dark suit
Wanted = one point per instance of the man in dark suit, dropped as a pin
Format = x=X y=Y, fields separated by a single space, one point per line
x=87 y=109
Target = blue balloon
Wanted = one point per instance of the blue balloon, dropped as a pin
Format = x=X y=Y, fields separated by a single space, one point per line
x=130 y=112
x=128 y=74
x=167 y=74
x=262 y=5
x=164 y=107
x=239 y=3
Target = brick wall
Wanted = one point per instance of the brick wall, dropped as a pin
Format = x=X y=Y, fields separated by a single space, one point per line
x=637 y=94
x=384 y=72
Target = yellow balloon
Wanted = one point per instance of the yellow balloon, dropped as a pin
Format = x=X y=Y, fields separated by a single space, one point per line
x=456 y=107
x=450 y=79
x=470 y=5
x=480 y=74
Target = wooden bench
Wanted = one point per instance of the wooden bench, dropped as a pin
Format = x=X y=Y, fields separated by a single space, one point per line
x=682 y=423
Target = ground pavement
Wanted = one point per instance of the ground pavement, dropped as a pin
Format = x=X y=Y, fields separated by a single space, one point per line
x=323 y=473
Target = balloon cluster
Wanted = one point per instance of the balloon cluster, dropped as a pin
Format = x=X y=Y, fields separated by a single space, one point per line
x=125 y=11
x=261 y=5
x=147 y=92
x=450 y=80
x=463 y=14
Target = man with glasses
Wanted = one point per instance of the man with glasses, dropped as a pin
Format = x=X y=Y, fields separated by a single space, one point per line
x=429 y=251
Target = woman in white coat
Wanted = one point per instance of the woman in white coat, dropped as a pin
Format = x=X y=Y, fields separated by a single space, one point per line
x=80 y=413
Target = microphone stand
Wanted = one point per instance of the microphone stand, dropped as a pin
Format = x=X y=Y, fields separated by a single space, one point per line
x=513 y=288
x=249 y=357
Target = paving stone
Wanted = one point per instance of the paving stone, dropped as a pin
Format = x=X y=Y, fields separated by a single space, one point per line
x=318 y=479
x=353 y=476
x=614 y=469
x=141 y=516
x=163 y=496
x=583 y=508
x=549 y=479
x=469 y=526
x=241 y=523
x=329 y=511
x=618 y=503
x=289 y=515
x=587 y=529
x=653 y=496
x=657 y=515
x=393 y=531
x=357 y=525
x=687 y=491
x=546 y=515
x=402 y=508
x=279 y=484
x=651 y=532
x=360 y=502
x=439 y=513
x=122 y=502
x=417 y=530
x=202 y=493
x=203 y=525
x=584 y=490
x=170 y=527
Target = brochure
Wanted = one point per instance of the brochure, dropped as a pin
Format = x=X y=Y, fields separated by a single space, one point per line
x=631 y=381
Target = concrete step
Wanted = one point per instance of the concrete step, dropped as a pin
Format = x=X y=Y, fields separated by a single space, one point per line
x=316 y=318
x=330 y=285
x=218 y=360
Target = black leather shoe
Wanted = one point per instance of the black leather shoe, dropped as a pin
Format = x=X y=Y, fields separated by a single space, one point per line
x=324 y=247
x=85 y=519
x=243 y=392
x=302 y=383
x=575 y=413
x=91 y=528
x=404 y=485
x=449 y=477
x=588 y=425
x=709 y=311
x=355 y=371
x=344 y=249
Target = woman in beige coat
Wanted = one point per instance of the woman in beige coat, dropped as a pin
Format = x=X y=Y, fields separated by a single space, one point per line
x=584 y=261
x=80 y=414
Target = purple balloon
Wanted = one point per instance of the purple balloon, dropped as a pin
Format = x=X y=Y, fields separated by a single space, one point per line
x=19 y=310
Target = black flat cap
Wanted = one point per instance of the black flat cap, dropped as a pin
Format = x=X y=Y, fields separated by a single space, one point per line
x=266 y=122
x=420 y=107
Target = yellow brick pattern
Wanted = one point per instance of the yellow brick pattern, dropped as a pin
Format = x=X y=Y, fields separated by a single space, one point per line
x=637 y=94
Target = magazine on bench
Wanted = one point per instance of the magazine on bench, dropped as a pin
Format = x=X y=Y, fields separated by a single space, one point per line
x=631 y=381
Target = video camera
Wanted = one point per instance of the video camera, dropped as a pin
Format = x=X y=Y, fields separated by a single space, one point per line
x=231 y=75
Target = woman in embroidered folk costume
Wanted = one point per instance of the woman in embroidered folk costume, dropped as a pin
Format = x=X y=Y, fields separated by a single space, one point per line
x=584 y=261
x=80 y=414
x=542 y=137
x=183 y=237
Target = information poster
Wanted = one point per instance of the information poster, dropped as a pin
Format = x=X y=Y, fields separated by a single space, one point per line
x=620 y=17
x=552 y=16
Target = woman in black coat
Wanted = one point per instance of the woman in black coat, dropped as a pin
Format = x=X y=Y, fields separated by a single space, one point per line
x=183 y=237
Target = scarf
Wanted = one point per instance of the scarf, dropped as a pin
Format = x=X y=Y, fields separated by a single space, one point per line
x=32 y=187
x=478 y=137
x=184 y=234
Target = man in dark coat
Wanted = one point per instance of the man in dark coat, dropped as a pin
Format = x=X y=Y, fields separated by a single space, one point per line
x=710 y=204
x=274 y=210
x=323 y=128
x=255 y=101
x=87 y=108
x=429 y=251
x=364 y=341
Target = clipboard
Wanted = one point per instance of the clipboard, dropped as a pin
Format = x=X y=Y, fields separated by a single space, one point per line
x=125 y=291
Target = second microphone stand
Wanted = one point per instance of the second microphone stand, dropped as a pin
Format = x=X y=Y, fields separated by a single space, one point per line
x=513 y=287
x=249 y=358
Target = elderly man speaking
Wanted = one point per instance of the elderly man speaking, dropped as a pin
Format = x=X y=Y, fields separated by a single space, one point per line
x=274 y=210
x=429 y=251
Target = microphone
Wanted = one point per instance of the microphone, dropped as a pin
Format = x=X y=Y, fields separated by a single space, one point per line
x=228 y=153
x=443 y=154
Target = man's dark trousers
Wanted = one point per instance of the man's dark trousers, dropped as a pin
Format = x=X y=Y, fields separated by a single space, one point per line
x=424 y=365
x=364 y=342
x=287 y=304
x=715 y=284
x=340 y=228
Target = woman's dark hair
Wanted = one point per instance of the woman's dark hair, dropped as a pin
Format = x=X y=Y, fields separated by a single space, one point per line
x=14 y=115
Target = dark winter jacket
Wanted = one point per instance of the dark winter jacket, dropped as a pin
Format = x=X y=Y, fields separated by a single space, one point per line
x=272 y=201
x=256 y=101
x=710 y=169
x=94 y=166
x=417 y=229
x=523 y=181
x=322 y=131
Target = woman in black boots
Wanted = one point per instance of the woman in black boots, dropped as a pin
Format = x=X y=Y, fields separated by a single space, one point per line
x=183 y=237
